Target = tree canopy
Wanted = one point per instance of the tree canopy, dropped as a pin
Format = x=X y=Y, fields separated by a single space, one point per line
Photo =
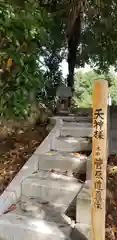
x=91 y=32
x=84 y=87
x=34 y=38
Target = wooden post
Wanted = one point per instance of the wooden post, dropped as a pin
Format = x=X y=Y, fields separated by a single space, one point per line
x=99 y=160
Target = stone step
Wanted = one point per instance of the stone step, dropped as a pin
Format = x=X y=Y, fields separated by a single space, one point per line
x=16 y=226
x=62 y=161
x=77 y=124
x=75 y=155
x=71 y=144
x=89 y=167
x=42 y=211
x=83 y=205
x=81 y=119
x=76 y=131
x=81 y=232
x=55 y=189
x=64 y=112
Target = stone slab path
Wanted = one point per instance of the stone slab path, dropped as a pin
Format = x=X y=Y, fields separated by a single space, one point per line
x=45 y=195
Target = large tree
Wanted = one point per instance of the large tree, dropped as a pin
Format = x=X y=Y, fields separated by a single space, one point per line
x=71 y=13
x=91 y=31
x=89 y=27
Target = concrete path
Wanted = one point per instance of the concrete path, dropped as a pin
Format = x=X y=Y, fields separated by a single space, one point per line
x=45 y=187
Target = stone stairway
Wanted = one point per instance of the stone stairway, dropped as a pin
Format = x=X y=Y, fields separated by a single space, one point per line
x=45 y=196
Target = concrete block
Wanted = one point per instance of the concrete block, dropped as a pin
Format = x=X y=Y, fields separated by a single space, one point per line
x=83 y=205
x=73 y=118
x=33 y=208
x=13 y=191
x=6 y=200
x=81 y=232
x=71 y=144
x=89 y=168
x=27 y=170
x=112 y=148
x=76 y=124
x=46 y=144
x=76 y=131
x=56 y=189
x=62 y=162
x=113 y=141
x=15 y=226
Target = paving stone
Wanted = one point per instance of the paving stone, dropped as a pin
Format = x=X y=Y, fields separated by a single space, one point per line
x=62 y=162
x=15 y=226
x=83 y=205
x=56 y=189
x=81 y=232
x=71 y=144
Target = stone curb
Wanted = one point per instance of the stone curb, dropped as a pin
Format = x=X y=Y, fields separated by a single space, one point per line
x=13 y=191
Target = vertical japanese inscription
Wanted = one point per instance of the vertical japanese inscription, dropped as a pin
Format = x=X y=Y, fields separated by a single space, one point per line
x=98 y=123
x=98 y=179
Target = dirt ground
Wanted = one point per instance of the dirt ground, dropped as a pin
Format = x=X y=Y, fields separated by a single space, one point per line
x=16 y=149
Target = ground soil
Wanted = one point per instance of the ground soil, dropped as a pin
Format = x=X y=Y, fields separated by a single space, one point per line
x=15 y=150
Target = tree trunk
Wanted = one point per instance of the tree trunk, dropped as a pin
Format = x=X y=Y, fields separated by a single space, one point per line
x=73 y=41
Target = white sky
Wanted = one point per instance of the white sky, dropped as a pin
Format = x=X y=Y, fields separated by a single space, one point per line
x=64 y=67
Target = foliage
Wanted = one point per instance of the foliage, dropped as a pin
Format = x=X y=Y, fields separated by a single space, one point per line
x=98 y=26
x=26 y=34
x=91 y=32
x=84 y=87
x=33 y=40
x=99 y=36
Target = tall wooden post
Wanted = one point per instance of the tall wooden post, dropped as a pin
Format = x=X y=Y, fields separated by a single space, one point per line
x=99 y=160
